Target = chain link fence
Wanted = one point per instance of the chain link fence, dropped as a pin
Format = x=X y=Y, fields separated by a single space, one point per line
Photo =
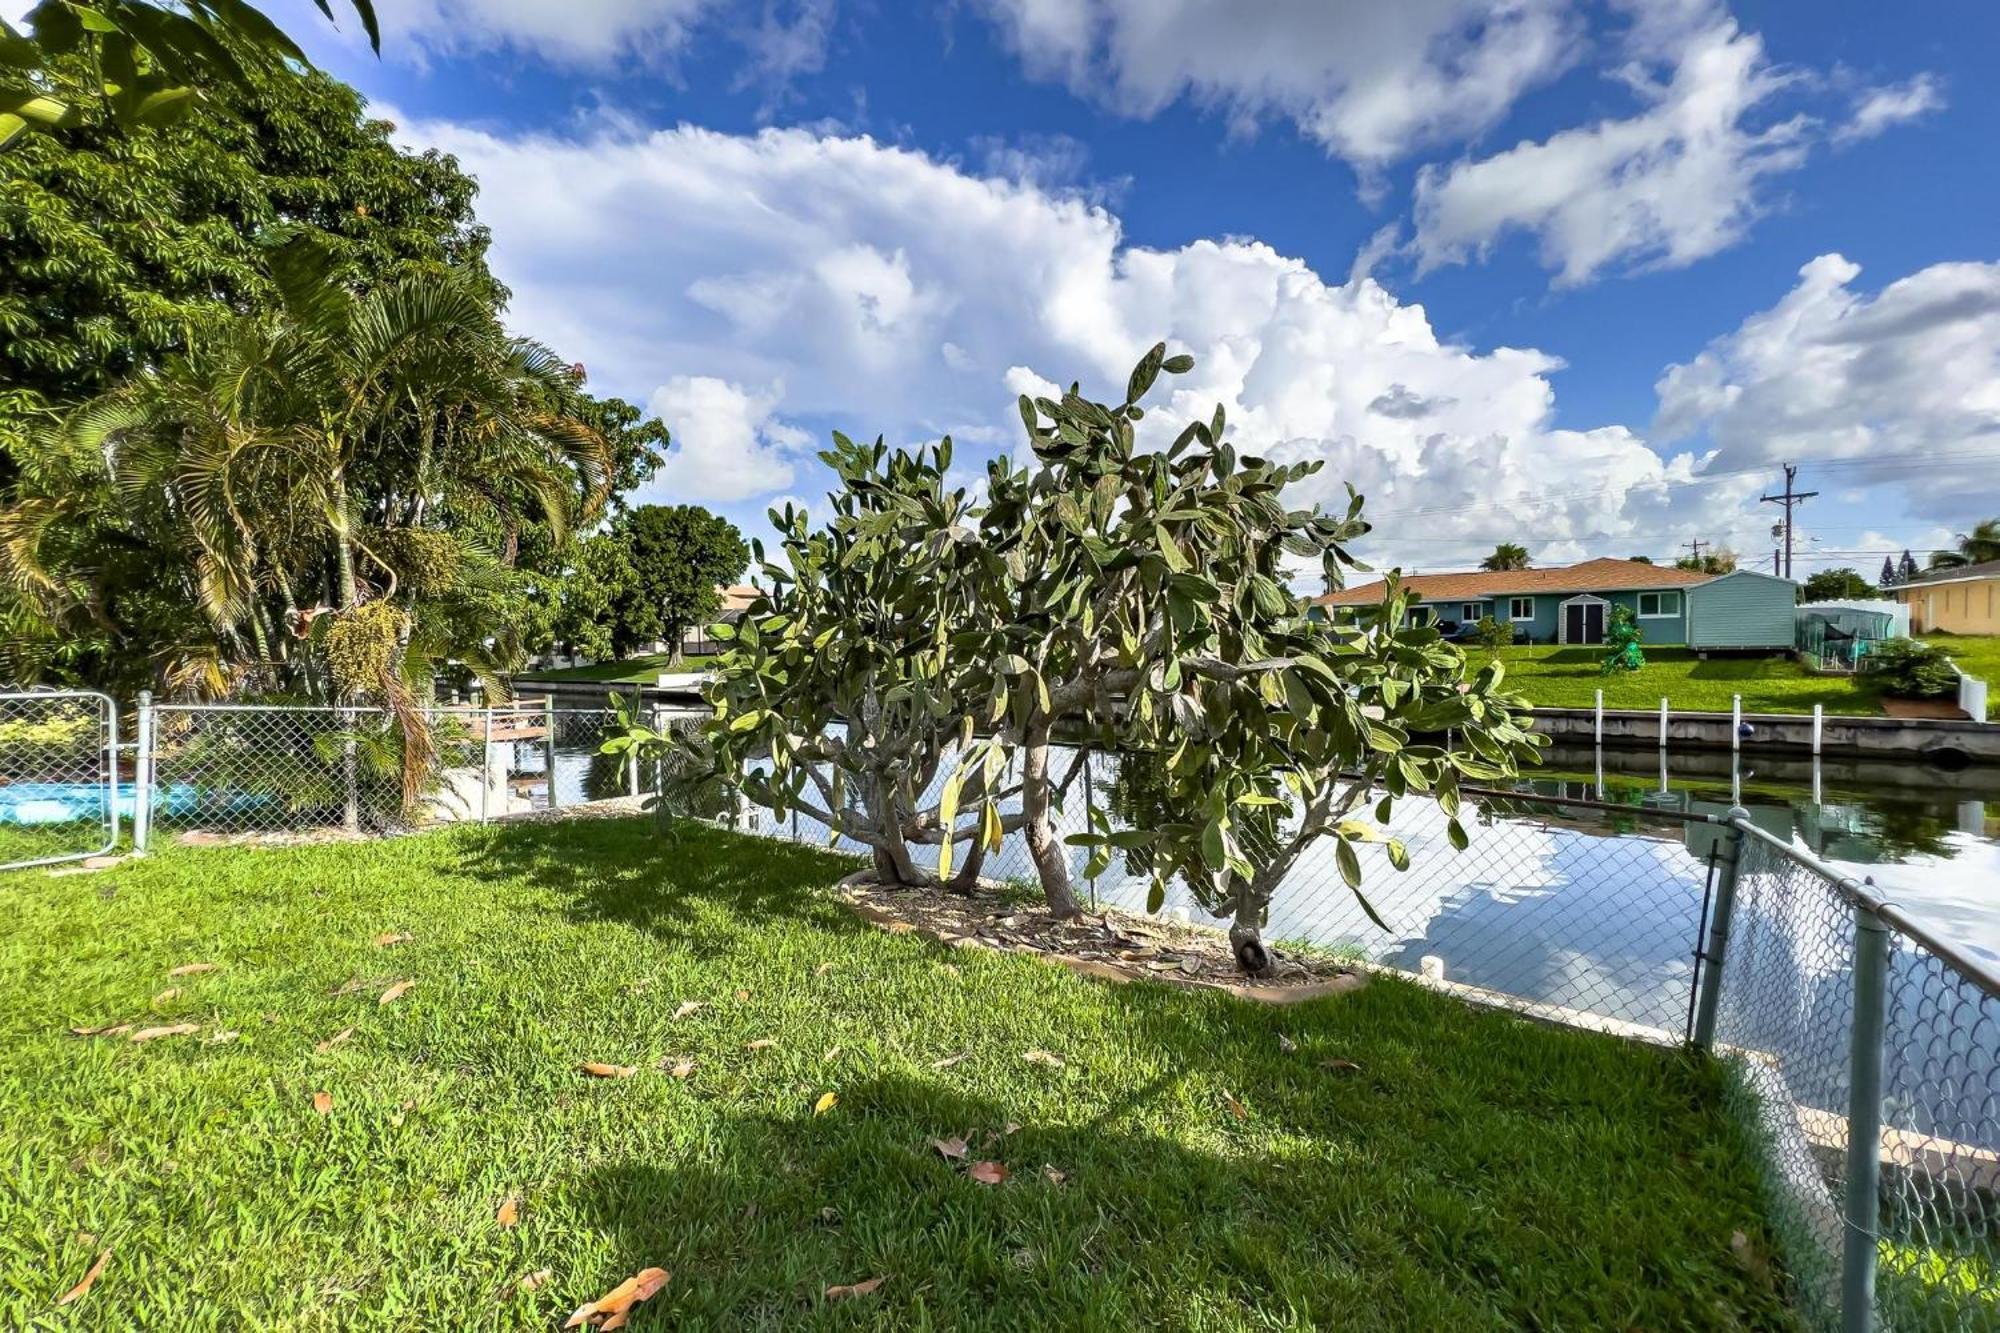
x=1865 y=1052
x=60 y=797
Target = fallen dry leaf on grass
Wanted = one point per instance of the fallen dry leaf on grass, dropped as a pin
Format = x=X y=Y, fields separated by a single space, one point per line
x=1236 y=1108
x=190 y=969
x=688 y=1007
x=742 y=996
x=167 y=996
x=334 y=1040
x=1340 y=1066
x=109 y=1030
x=833 y=1053
x=953 y=1149
x=530 y=1281
x=82 y=1289
x=1286 y=1044
x=1054 y=1176
x=323 y=1103
x=223 y=1038
x=510 y=1212
x=987 y=1173
x=762 y=1044
x=395 y=992
x=822 y=969
x=614 y=1307
x=949 y=1060
x=1044 y=1058
x=175 y=1030
x=682 y=1069
x=391 y=937
x=854 y=1289
x=827 y=1101
x=598 y=1069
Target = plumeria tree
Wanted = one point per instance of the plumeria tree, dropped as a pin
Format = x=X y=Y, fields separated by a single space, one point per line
x=916 y=666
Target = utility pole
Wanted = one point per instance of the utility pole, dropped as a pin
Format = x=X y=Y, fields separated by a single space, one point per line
x=1788 y=500
x=1694 y=550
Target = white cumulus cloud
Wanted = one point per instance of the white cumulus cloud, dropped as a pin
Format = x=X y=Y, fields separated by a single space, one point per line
x=1902 y=386
x=1367 y=80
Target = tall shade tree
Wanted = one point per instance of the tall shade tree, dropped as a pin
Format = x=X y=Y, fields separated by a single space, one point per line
x=1507 y=555
x=1973 y=548
x=675 y=556
x=149 y=63
x=116 y=250
x=1829 y=585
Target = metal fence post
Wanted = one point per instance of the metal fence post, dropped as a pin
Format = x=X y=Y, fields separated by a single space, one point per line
x=142 y=776
x=632 y=756
x=485 y=765
x=350 y=774
x=549 y=748
x=1864 y=1123
x=1089 y=805
x=1714 y=955
x=111 y=773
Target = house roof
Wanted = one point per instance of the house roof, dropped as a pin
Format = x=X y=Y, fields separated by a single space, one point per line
x=737 y=597
x=1606 y=575
x=1986 y=569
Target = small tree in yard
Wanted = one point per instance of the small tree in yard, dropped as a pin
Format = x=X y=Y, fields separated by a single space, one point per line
x=1623 y=636
x=675 y=557
x=1491 y=633
x=1137 y=598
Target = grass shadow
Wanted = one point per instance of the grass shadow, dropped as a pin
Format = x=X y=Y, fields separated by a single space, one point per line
x=677 y=881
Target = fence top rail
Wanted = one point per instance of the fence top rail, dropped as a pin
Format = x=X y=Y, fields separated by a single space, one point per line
x=473 y=710
x=1864 y=895
x=103 y=698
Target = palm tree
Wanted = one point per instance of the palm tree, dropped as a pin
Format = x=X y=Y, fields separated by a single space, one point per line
x=1507 y=555
x=1977 y=547
x=230 y=505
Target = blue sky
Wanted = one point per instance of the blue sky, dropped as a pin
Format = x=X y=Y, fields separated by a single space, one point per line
x=1577 y=275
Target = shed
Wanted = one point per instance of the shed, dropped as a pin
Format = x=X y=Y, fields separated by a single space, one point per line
x=1743 y=609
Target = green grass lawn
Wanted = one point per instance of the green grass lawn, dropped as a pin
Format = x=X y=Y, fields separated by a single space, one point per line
x=1387 y=1159
x=1565 y=677
x=1976 y=655
x=625 y=671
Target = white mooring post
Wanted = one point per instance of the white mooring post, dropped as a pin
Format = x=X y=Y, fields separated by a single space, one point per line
x=1819 y=726
x=1736 y=722
x=1663 y=722
x=1599 y=731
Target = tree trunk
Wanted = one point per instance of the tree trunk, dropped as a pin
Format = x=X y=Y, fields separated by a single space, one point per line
x=1246 y=928
x=1051 y=864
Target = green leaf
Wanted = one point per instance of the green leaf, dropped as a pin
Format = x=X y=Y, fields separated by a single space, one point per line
x=1349 y=863
x=1156 y=894
x=1399 y=854
x=1455 y=831
x=1145 y=373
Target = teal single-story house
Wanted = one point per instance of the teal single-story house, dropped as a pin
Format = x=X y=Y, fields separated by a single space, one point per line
x=1572 y=603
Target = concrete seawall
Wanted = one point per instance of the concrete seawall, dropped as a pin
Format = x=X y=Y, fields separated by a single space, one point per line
x=1926 y=738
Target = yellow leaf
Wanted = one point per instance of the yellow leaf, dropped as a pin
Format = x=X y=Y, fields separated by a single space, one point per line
x=82 y=1289
x=598 y=1069
x=510 y=1212
x=323 y=1103
x=614 y=1307
x=395 y=992
x=826 y=1102
x=177 y=1030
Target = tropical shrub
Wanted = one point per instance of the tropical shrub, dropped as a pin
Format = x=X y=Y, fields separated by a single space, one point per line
x=1914 y=669
x=1493 y=633
x=1623 y=636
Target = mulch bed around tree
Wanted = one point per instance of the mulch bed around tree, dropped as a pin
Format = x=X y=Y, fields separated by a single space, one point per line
x=1109 y=945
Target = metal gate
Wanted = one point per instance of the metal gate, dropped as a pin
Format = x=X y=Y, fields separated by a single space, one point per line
x=59 y=792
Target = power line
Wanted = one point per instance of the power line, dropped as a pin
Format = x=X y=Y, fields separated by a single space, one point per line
x=1789 y=499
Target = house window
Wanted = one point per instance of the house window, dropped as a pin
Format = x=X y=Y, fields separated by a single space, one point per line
x=1521 y=608
x=1654 y=605
x=1470 y=612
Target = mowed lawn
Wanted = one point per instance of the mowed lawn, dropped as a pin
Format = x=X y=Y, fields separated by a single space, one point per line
x=1976 y=655
x=1383 y=1160
x=641 y=670
x=1569 y=677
